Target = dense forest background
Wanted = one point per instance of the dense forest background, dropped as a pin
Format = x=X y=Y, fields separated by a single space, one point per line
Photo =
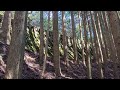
x=59 y=44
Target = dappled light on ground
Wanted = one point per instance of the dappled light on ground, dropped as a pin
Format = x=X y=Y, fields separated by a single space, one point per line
x=32 y=70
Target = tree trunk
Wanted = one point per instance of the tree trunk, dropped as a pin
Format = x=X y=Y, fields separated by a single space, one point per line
x=23 y=43
x=6 y=25
x=64 y=38
x=41 y=38
x=88 y=64
x=91 y=39
x=115 y=28
x=107 y=34
x=16 y=52
x=74 y=37
x=102 y=39
x=46 y=45
x=98 y=47
x=114 y=34
x=56 y=45
x=82 y=41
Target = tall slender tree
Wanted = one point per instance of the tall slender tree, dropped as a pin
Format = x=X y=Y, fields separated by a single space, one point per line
x=115 y=29
x=41 y=38
x=6 y=26
x=88 y=63
x=64 y=38
x=102 y=40
x=74 y=37
x=46 y=45
x=98 y=46
x=23 y=44
x=114 y=52
x=107 y=35
x=16 y=52
x=91 y=37
x=56 y=57
x=81 y=38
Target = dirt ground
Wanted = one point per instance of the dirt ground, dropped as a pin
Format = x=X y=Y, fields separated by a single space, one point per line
x=32 y=70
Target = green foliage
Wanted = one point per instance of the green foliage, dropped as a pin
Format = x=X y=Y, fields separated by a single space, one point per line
x=32 y=42
x=2 y=12
x=33 y=37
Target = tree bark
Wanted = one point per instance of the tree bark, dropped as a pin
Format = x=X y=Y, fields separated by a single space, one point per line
x=82 y=41
x=102 y=39
x=46 y=45
x=98 y=46
x=115 y=29
x=16 y=52
x=6 y=25
x=56 y=57
x=74 y=37
x=88 y=63
x=64 y=38
x=41 y=38
x=114 y=33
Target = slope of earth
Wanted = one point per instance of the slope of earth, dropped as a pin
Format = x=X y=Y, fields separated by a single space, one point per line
x=32 y=69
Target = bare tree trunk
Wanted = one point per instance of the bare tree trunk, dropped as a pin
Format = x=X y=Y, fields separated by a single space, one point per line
x=110 y=44
x=91 y=39
x=82 y=41
x=115 y=29
x=6 y=25
x=102 y=39
x=74 y=37
x=108 y=36
x=104 y=32
x=88 y=64
x=41 y=38
x=56 y=57
x=46 y=45
x=114 y=36
x=95 y=42
x=98 y=46
x=64 y=38
x=16 y=51
x=23 y=49
x=114 y=57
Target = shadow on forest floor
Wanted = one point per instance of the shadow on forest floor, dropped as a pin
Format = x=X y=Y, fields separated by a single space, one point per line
x=32 y=70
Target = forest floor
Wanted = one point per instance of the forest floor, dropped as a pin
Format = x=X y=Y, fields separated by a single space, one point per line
x=32 y=70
